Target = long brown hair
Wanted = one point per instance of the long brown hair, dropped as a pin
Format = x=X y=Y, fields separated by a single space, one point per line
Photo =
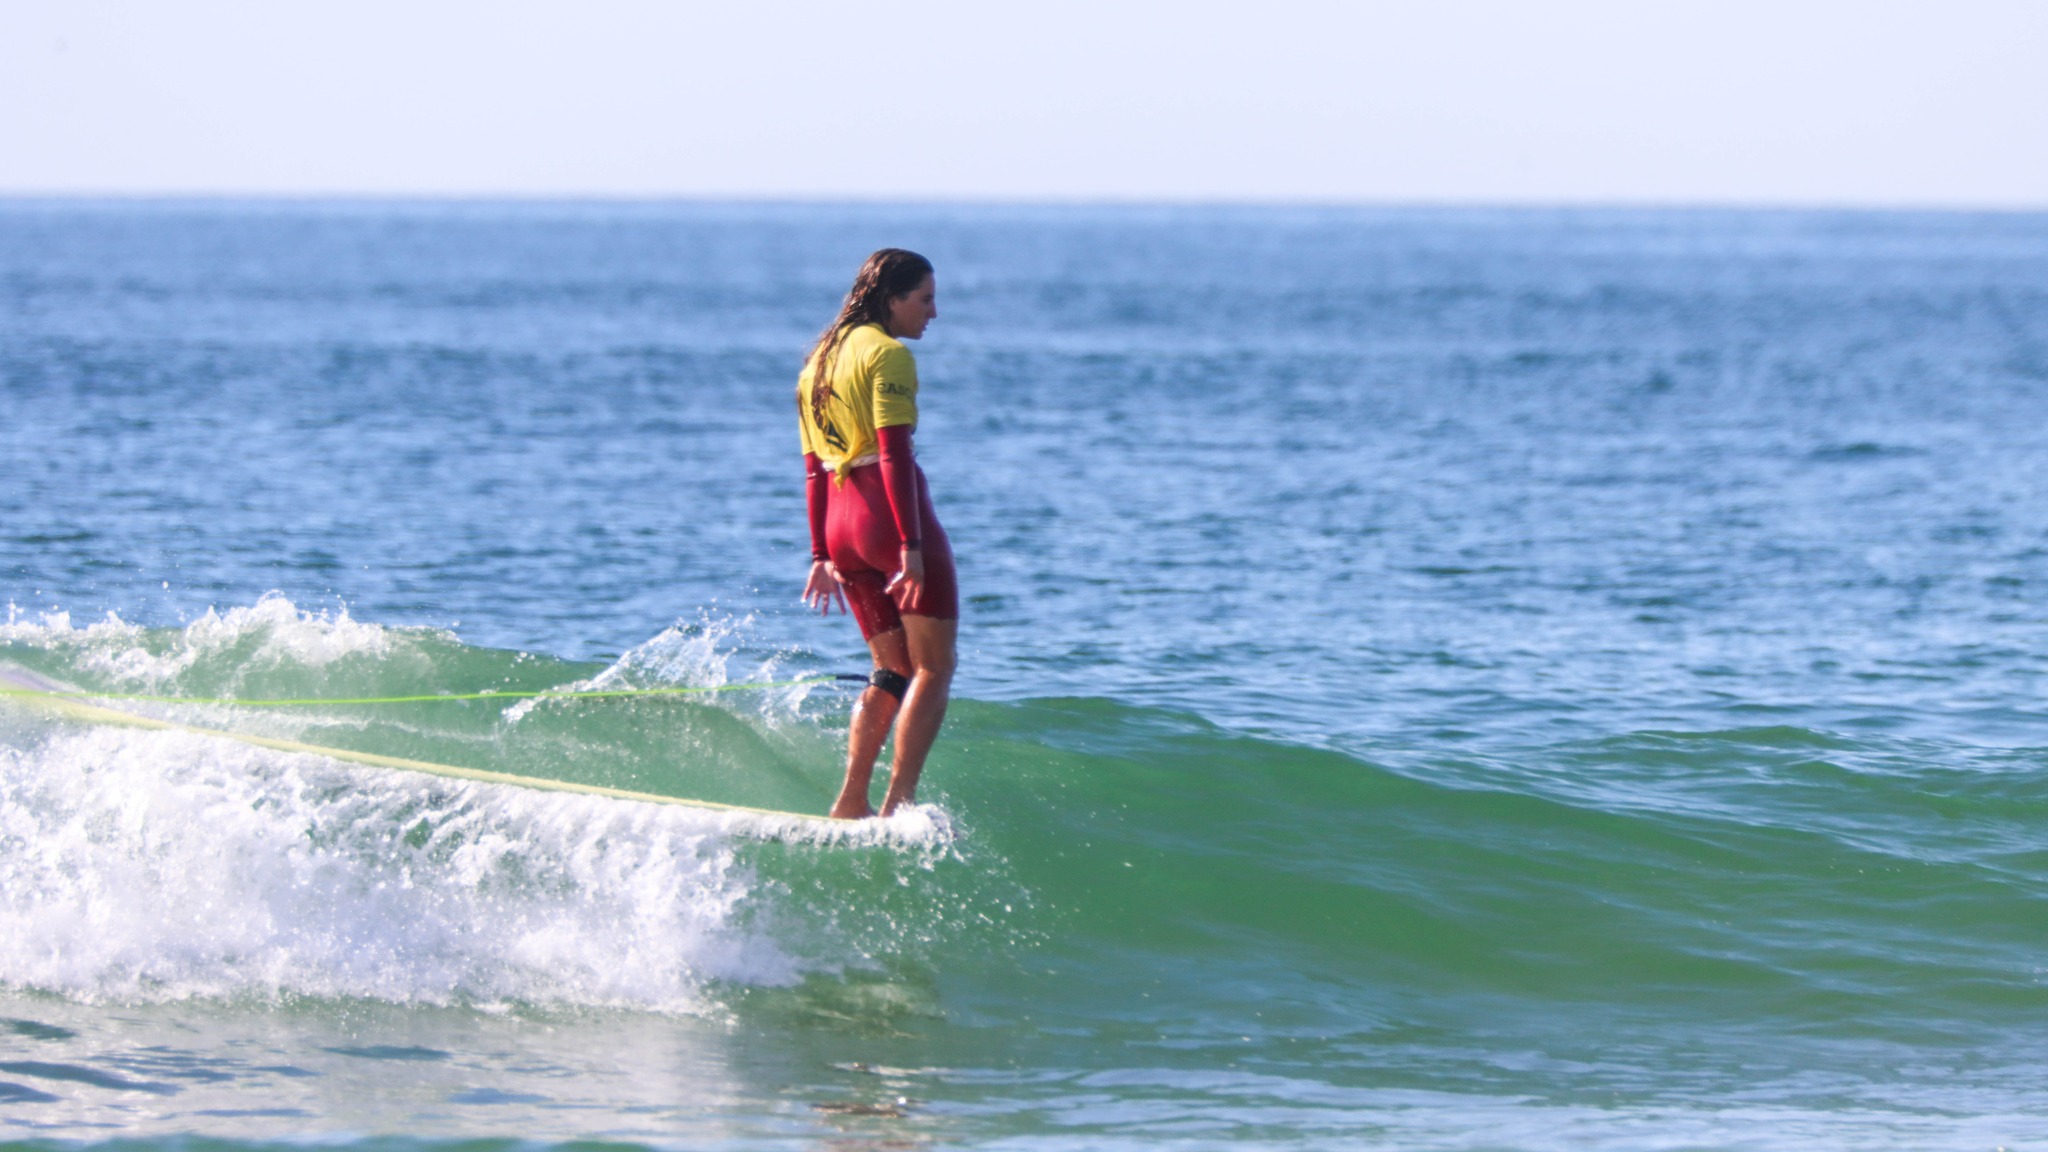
x=889 y=273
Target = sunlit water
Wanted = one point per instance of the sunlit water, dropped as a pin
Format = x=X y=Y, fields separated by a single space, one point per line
x=1429 y=680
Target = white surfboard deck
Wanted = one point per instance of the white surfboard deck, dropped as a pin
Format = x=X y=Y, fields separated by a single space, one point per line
x=43 y=695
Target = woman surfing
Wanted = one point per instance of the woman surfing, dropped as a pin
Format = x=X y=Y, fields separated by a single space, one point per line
x=876 y=544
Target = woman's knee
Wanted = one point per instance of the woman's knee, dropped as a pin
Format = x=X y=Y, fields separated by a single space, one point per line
x=932 y=643
x=936 y=661
x=938 y=671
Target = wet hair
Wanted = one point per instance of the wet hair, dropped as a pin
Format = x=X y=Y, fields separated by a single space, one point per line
x=889 y=273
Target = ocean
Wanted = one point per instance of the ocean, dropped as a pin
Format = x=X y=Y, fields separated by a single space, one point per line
x=1429 y=679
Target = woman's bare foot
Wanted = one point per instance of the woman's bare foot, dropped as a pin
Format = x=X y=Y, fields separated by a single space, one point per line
x=851 y=808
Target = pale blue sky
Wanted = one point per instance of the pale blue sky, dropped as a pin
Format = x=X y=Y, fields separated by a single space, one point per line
x=1903 y=102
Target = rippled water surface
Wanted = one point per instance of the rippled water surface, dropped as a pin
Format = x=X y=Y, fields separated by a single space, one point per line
x=1476 y=679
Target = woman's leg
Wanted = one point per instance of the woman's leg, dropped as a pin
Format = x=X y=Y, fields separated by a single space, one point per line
x=930 y=641
x=911 y=644
x=872 y=715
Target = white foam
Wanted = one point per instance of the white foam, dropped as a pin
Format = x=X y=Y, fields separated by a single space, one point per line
x=162 y=866
x=688 y=656
x=275 y=630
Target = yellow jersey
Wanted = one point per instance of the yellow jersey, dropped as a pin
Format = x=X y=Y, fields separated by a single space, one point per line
x=873 y=385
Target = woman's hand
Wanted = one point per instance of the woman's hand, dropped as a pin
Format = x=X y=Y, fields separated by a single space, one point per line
x=822 y=589
x=909 y=582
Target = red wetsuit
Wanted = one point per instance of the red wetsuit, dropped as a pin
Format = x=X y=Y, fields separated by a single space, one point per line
x=861 y=526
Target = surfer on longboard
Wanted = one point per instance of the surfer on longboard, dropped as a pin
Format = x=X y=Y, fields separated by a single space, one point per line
x=876 y=544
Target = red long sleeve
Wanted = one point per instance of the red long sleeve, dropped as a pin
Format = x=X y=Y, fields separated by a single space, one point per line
x=899 y=482
x=815 y=494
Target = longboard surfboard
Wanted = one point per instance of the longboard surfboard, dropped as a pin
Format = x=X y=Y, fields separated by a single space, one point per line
x=41 y=694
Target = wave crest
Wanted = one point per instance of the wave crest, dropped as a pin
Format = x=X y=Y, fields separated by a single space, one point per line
x=273 y=631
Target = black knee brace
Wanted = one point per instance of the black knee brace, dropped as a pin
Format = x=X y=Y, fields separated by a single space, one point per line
x=894 y=683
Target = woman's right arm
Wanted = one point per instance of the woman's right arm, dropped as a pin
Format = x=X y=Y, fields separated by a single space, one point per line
x=899 y=487
x=817 y=491
x=821 y=588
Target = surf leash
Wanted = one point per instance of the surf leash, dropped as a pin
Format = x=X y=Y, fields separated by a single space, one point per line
x=438 y=698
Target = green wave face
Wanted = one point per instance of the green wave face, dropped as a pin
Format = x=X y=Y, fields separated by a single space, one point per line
x=1759 y=876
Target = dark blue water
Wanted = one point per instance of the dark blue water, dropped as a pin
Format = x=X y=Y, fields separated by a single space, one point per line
x=1434 y=679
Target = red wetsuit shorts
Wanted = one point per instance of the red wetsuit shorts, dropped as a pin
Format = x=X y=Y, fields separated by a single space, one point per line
x=867 y=552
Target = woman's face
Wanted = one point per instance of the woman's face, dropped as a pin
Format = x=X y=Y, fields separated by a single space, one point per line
x=910 y=312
